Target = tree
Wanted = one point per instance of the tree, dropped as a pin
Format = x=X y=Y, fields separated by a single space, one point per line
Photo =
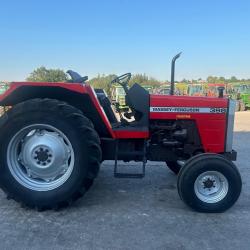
x=212 y=79
x=143 y=79
x=221 y=79
x=233 y=79
x=47 y=75
x=102 y=82
x=185 y=80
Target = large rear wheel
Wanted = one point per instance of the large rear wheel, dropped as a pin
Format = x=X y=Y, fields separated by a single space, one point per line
x=50 y=153
x=209 y=183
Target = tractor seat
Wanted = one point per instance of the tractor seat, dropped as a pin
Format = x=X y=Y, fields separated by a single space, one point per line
x=76 y=78
x=106 y=105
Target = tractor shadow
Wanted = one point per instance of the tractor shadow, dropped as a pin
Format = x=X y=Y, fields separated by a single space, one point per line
x=158 y=187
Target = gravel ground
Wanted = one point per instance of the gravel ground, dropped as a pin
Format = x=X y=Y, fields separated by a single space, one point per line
x=134 y=214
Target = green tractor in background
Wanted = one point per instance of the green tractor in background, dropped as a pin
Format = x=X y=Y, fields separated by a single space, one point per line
x=181 y=89
x=241 y=93
x=245 y=95
x=118 y=97
x=195 y=89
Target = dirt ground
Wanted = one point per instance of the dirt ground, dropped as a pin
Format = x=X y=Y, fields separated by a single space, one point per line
x=134 y=214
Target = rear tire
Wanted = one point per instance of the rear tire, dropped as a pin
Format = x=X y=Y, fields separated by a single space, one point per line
x=46 y=182
x=209 y=183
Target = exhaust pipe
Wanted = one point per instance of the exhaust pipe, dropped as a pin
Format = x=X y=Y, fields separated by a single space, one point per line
x=221 y=90
x=172 y=73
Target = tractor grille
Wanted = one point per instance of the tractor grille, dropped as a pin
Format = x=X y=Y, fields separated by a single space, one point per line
x=230 y=125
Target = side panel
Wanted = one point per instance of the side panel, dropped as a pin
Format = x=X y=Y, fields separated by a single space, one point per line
x=210 y=115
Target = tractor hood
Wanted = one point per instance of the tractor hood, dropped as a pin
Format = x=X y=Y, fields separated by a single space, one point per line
x=210 y=116
x=174 y=105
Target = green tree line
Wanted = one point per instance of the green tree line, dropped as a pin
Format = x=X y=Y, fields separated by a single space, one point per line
x=42 y=74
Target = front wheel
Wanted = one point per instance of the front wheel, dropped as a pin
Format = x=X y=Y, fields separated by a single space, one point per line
x=209 y=183
x=49 y=155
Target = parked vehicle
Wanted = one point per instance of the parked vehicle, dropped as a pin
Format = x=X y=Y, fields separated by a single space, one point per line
x=118 y=97
x=149 y=88
x=55 y=136
x=241 y=93
x=205 y=89
x=195 y=89
x=163 y=90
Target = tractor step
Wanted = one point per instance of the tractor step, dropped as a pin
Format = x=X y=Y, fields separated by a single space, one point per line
x=142 y=153
x=129 y=175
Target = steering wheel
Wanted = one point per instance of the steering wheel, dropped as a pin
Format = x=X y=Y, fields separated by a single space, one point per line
x=123 y=80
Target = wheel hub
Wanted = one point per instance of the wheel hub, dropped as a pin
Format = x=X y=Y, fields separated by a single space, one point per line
x=211 y=186
x=44 y=155
x=209 y=183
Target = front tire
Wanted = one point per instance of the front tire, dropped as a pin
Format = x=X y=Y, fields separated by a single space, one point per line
x=209 y=183
x=49 y=155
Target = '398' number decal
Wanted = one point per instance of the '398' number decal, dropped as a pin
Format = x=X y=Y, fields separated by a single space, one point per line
x=218 y=110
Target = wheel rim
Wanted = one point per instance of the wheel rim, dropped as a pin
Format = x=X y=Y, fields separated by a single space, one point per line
x=211 y=186
x=40 y=157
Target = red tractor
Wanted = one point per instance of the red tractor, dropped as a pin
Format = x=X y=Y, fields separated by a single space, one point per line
x=55 y=136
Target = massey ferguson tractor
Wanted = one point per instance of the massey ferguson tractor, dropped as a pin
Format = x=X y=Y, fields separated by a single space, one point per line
x=55 y=136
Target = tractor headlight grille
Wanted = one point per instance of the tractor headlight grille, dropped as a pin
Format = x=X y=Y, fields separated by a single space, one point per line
x=230 y=125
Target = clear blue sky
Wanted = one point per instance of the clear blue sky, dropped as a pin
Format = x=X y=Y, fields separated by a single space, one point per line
x=112 y=36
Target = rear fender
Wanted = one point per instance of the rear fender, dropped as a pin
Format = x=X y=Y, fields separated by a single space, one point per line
x=80 y=96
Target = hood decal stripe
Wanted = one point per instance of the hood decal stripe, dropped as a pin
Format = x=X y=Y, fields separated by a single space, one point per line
x=188 y=110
